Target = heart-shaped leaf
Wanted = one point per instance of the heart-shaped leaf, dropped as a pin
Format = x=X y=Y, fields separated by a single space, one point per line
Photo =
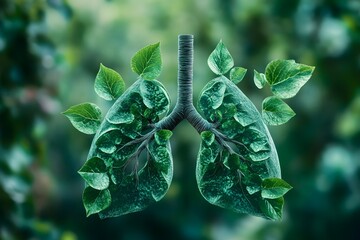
x=147 y=62
x=220 y=60
x=94 y=173
x=108 y=140
x=155 y=96
x=108 y=83
x=244 y=118
x=212 y=95
x=237 y=74
x=123 y=114
x=272 y=208
x=286 y=77
x=259 y=79
x=85 y=117
x=275 y=111
x=274 y=188
x=162 y=136
x=95 y=200
x=207 y=137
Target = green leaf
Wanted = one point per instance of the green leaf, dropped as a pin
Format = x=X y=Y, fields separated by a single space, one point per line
x=231 y=129
x=132 y=129
x=207 y=137
x=253 y=183
x=94 y=173
x=275 y=111
x=228 y=109
x=108 y=84
x=259 y=79
x=274 y=188
x=272 y=208
x=85 y=117
x=162 y=136
x=124 y=154
x=220 y=60
x=237 y=74
x=161 y=154
x=120 y=112
x=120 y=117
x=244 y=118
x=108 y=140
x=154 y=96
x=256 y=141
x=233 y=161
x=286 y=77
x=96 y=200
x=212 y=96
x=147 y=62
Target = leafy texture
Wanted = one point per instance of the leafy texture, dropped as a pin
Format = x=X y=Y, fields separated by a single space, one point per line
x=220 y=60
x=154 y=96
x=238 y=155
x=94 y=173
x=108 y=84
x=214 y=94
x=85 y=117
x=135 y=188
x=275 y=111
x=137 y=159
x=259 y=79
x=244 y=118
x=147 y=62
x=95 y=200
x=286 y=77
x=108 y=140
x=207 y=137
x=237 y=74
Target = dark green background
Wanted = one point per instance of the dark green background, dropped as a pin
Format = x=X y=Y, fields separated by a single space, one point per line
x=50 y=52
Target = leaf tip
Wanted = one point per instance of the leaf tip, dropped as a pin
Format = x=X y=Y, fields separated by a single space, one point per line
x=88 y=213
x=147 y=62
x=220 y=60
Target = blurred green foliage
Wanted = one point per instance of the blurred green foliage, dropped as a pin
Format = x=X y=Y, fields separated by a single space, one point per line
x=49 y=55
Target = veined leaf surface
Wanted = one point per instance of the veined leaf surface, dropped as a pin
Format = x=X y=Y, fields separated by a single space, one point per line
x=231 y=168
x=137 y=157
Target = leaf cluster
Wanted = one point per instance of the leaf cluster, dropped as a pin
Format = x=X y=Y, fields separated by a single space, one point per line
x=285 y=78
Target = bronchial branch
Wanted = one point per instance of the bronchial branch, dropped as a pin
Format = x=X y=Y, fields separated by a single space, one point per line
x=184 y=108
